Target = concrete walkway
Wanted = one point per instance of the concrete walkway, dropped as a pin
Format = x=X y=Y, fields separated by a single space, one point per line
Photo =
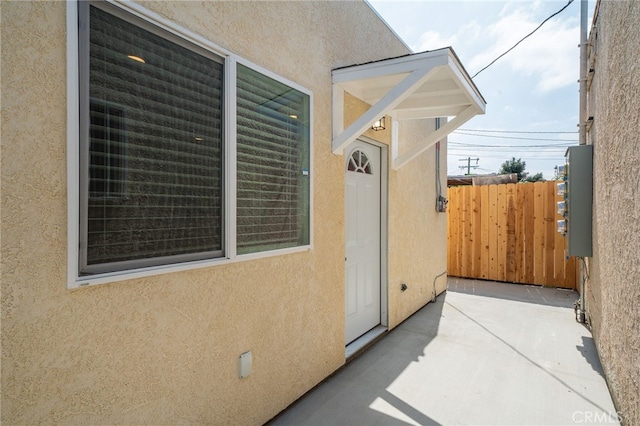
x=484 y=353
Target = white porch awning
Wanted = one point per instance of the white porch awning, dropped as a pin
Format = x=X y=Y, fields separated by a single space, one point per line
x=416 y=86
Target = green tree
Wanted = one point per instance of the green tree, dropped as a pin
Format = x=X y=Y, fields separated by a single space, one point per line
x=517 y=167
x=535 y=178
x=514 y=166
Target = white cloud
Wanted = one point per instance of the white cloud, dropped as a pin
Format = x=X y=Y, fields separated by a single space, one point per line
x=464 y=41
x=431 y=40
x=550 y=54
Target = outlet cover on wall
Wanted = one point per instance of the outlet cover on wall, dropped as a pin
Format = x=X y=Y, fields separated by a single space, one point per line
x=245 y=364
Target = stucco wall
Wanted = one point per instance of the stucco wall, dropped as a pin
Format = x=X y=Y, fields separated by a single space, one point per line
x=416 y=230
x=613 y=290
x=164 y=349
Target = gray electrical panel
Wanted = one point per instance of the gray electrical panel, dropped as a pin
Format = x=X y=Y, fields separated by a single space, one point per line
x=579 y=200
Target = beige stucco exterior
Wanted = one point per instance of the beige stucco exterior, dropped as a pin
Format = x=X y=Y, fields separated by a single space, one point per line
x=164 y=349
x=613 y=287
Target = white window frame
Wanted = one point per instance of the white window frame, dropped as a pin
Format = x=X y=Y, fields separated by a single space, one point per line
x=74 y=280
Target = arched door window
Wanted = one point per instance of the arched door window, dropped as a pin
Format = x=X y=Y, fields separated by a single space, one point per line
x=359 y=163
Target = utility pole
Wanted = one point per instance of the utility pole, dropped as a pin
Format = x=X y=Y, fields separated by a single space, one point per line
x=469 y=166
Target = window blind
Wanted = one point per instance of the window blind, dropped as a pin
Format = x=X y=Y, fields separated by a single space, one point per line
x=272 y=163
x=154 y=151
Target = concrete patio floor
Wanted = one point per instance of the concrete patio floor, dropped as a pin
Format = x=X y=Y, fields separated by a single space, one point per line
x=484 y=353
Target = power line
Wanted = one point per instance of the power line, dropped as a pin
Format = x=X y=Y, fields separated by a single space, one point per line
x=486 y=170
x=503 y=157
x=513 y=137
x=555 y=146
x=511 y=131
x=456 y=152
x=531 y=151
x=523 y=38
x=530 y=154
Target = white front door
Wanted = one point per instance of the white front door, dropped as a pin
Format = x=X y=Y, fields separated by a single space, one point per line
x=362 y=228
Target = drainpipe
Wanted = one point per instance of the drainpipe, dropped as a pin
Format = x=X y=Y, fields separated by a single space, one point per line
x=582 y=135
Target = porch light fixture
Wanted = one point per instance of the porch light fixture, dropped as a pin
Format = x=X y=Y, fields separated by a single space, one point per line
x=379 y=124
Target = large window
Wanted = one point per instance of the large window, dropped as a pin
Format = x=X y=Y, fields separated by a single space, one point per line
x=153 y=150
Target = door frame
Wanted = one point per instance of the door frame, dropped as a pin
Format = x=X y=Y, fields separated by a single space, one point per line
x=384 y=226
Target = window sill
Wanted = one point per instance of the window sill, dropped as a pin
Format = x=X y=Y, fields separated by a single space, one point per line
x=76 y=282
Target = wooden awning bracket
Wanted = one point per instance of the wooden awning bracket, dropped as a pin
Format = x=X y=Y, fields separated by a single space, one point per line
x=418 y=86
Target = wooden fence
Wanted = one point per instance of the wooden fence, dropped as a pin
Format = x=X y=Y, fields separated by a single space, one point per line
x=508 y=233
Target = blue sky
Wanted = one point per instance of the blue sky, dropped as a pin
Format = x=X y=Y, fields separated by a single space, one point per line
x=533 y=88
